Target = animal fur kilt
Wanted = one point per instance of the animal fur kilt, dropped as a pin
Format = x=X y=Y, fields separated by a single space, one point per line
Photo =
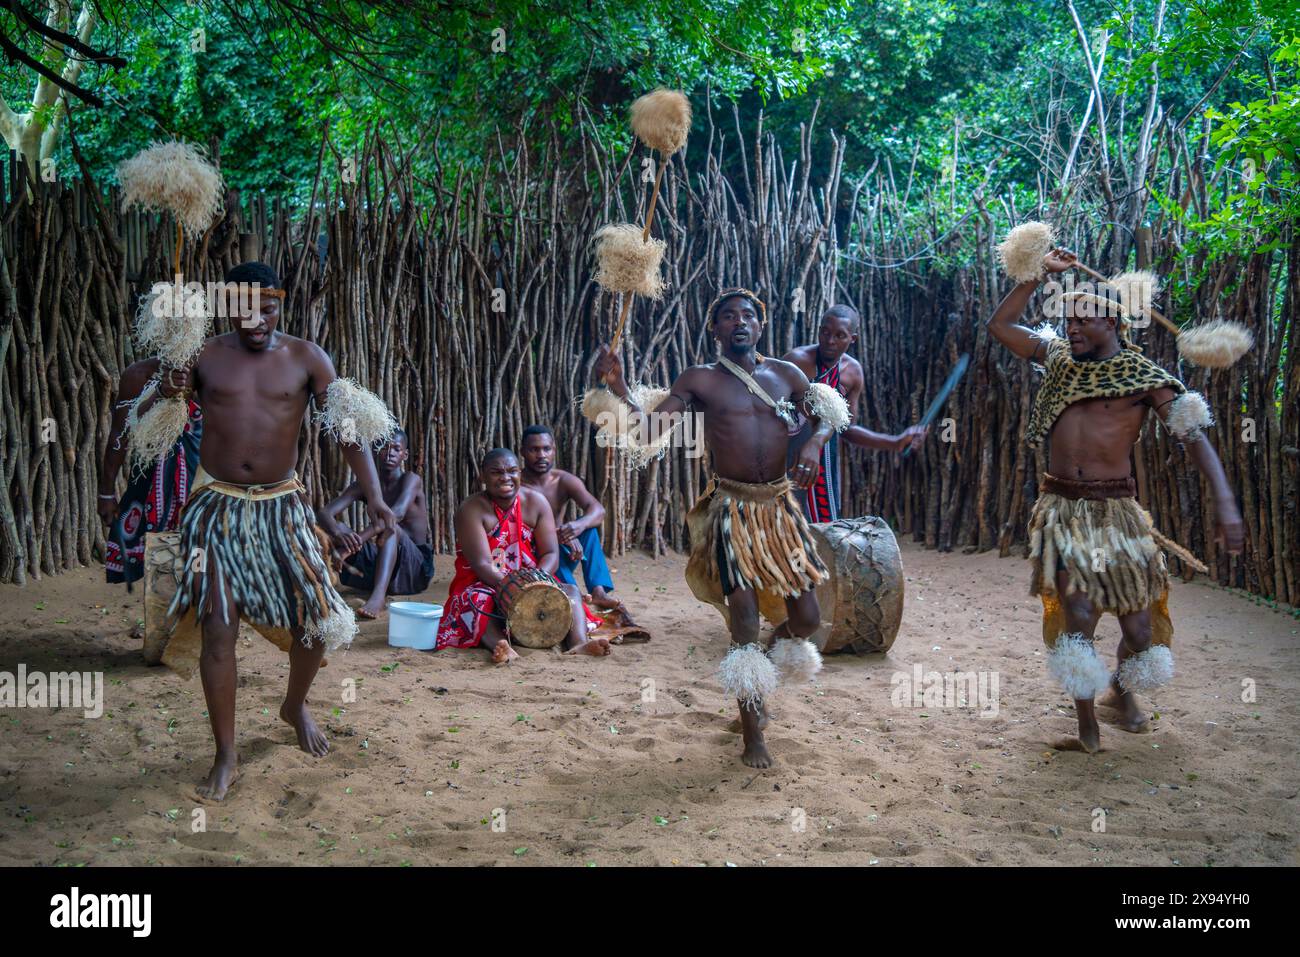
x=261 y=543
x=1107 y=544
x=750 y=536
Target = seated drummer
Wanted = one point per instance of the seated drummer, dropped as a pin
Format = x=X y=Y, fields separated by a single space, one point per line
x=499 y=530
x=580 y=538
x=403 y=565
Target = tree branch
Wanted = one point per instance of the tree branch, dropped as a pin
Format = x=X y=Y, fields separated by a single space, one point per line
x=51 y=33
x=13 y=52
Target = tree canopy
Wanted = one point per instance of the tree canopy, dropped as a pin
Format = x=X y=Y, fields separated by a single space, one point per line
x=954 y=100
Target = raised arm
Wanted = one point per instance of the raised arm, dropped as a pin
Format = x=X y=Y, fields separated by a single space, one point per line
x=1229 y=531
x=1005 y=326
x=609 y=369
x=320 y=371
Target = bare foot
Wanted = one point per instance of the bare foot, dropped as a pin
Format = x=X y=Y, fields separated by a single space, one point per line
x=502 y=653
x=751 y=724
x=1131 y=718
x=224 y=773
x=592 y=646
x=603 y=600
x=371 y=609
x=310 y=738
x=755 y=755
x=1089 y=738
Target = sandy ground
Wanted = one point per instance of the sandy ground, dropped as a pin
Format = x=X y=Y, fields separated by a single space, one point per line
x=579 y=769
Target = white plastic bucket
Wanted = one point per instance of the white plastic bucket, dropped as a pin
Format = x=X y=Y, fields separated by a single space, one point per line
x=413 y=624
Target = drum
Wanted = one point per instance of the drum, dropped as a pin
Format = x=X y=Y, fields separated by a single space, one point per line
x=537 y=611
x=162 y=571
x=862 y=601
x=164 y=566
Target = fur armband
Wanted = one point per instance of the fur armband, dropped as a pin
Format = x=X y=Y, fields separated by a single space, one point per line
x=1188 y=416
x=1074 y=662
x=619 y=426
x=747 y=674
x=828 y=405
x=153 y=435
x=352 y=413
x=1147 y=669
x=796 y=659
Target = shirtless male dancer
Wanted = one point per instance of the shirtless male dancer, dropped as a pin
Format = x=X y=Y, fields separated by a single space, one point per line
x=747 y=530
x=1094 y=549
x=247 y=518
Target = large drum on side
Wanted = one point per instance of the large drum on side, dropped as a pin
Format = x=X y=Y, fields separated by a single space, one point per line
x=536 y=609
x=862 y=601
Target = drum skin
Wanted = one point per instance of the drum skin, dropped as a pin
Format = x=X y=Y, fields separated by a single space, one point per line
x=862 y=601
x=537 y=611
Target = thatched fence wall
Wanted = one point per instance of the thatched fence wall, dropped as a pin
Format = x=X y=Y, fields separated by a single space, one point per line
x=475 y=316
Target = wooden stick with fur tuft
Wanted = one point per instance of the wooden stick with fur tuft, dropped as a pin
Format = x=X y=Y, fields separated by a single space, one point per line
x=662 y=120
x=1214 y=345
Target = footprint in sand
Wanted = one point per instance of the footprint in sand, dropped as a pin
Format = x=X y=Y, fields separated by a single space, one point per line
x=294 y=804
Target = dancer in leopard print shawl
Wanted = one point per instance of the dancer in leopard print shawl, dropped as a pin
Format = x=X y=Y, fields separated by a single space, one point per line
x=1094 y=549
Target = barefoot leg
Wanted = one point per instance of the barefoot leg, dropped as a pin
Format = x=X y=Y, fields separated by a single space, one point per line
x=385 y=562
x=765 y=717
x=217 y=670
x=603 y=599
x=304 y=662
x=577 y=641
x=743 y=605
x=1135 y=637
x=1081 y=616
x=497 y=645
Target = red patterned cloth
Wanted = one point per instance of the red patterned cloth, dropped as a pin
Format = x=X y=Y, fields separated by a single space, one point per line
x=822 y=499
x=153 y=503
x=470 y=602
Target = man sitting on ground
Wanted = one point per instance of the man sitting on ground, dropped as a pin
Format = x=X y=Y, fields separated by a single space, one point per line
x=580 y=538
x=402 y=565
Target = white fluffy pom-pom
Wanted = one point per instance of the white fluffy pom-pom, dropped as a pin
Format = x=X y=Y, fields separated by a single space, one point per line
x=618 y=426
x=828 y=405
x=1047 y=331
x=1137 y=291
x=175 y=177
x=662 y=120
x=334 y=631
x=1215 y=345
x=796 y=659
x=1023 y=250
x=625 y=262
x=747 y=674
x=172 y=322
x=1147 y=669
x=152 y=436
x=1075 y=664
x=354 y=414
x=1188 y=415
